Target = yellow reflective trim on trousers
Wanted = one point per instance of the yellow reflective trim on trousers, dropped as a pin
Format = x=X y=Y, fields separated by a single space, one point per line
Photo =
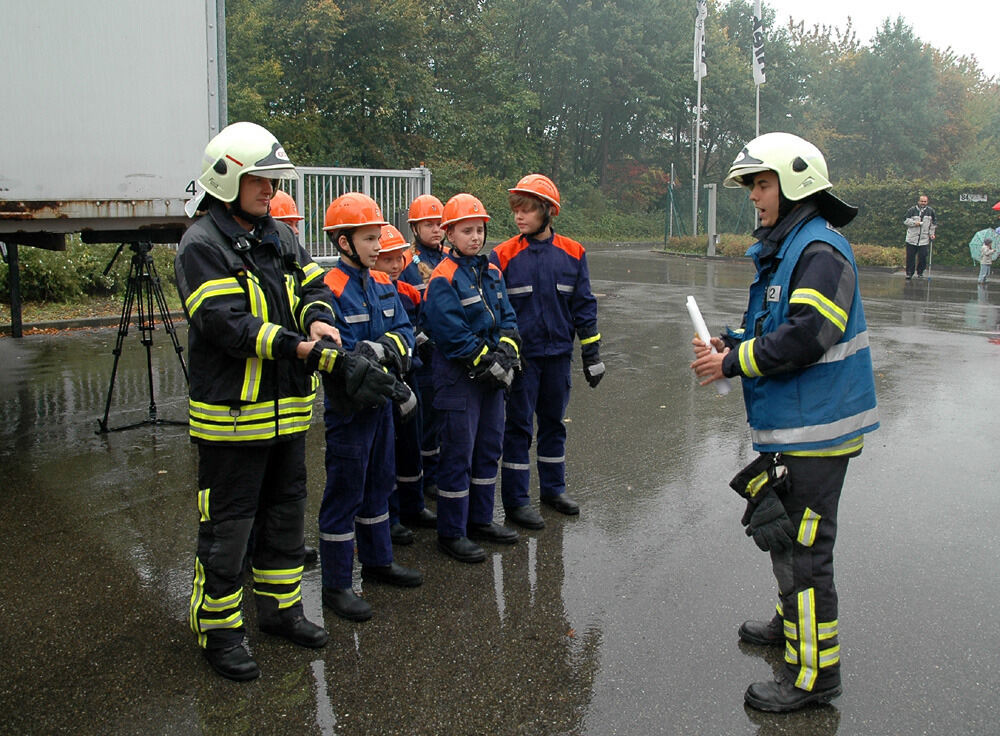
x=808 y=527
x=829 y=657
x=588 y=340
x=288 y=576
x=203 y=497
x=217 y=605
x=748 y=363
x=233 y=621
x=791 y=656
x=848 y=447
x=197 y=595
x=821 y=304
x=210 y=289
x=756 y=483
x=790 y=630
x=513 y=344
x=826 y=630
x=808 y=641
x=284 y=600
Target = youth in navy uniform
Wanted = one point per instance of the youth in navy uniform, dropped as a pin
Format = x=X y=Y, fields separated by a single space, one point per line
x=425 y=254
x=470 y=321
x=803 y=356
x=360 y=457
x=549 y=286
x=406 y=503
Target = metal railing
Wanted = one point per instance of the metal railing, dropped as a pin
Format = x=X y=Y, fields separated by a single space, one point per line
x=393 y=189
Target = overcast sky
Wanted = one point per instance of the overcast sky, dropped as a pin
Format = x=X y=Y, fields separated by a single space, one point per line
x=967 y=26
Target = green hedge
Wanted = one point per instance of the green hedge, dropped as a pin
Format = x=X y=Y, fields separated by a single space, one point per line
x=78 y=271
x=882 y=205
x=734 y=246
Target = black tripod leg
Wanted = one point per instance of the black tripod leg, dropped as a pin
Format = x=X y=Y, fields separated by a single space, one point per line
x=123 y=323
x=168 y=323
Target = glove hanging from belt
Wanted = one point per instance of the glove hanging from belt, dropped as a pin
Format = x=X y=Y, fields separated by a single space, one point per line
x=761 y=483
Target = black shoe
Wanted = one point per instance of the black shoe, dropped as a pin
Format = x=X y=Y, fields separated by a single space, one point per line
x=462 y=549
x=298 y=630
x=763 y=633
x=347 y=604
x=781 y=697
x=400 y=535
x=234 y=663
x=392 y=574
x=311 y=556
x=423 y=519
x=431 y=490
x=492 y=533
x=524 y=516
x=562 y=503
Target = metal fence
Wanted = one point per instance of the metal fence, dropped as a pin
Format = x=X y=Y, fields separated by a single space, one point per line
x=393 y=189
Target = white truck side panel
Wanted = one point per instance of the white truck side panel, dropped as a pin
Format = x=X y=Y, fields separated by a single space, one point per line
x=107 y=106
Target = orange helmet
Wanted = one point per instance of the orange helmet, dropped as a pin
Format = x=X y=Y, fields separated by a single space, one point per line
x=353 y=210
x=540 y=186
x=391 y=239
x=425 y=207
x=463 y=207
x=283 y=207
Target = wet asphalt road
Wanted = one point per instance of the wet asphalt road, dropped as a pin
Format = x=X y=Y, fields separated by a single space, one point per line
x=622 y=621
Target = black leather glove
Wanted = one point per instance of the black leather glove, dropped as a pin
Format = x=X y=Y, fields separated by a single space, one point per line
x=508 y=350
x=389 y=350
x=323 y=356
x=768 y=523
x=491 y=372
x=593 y=366
x=423 y=347
x=405 y=400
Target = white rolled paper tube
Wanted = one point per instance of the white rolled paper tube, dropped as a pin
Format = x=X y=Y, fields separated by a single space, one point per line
x=721 y=385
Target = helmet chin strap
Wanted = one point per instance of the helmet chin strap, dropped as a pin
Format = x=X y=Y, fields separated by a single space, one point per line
x=546 y=220
x=352 y=253
x=237 y=211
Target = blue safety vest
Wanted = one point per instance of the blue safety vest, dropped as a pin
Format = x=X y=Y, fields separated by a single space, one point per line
x=823 y=405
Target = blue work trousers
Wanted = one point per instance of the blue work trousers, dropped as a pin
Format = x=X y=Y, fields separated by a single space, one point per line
x=407 y=497
x=472 y=419
x=360 y=473
x=541 y=390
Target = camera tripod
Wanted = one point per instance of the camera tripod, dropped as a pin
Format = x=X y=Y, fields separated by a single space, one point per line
x=143 y=288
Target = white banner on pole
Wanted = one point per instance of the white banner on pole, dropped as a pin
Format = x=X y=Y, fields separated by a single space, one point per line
x=758 y=45
x=700 y=69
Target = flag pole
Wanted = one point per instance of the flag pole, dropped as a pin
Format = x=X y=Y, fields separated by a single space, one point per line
x=697 y=163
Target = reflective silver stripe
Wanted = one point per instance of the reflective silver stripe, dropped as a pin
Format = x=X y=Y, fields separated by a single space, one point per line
x=808 y=646
x=828 y=657
x=827 y=630
x=815 y=432
x=336 y=537
x=471 y=300
x=389 y=312
x=516 y=466
x=430 y=453
x=565 y=288
x=561 y=459
x=355 y=318
x=421 y=287
x=519 y=290
x=409 y=478
x=372 y=520
x=453 y=494
x=843 y=350
x=483 y=481
x=230 y=622
x=277 y=577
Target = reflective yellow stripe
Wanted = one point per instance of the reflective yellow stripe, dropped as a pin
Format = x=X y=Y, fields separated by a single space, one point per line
x=821 y=304
x=513 y=344
x=327 y=359
x=287 y=576
x=398 y=341
x=203 y=504
x=266 y=336
x=197 y=594
x=756 y=483
x=588 y=340
x=808 y=644
x=258 y=302
x=791 y=631
x=260 y=421
x=285 y=600
x=829 y=657
x=310 y=272
x=251 y=379
x=748 y=363
x=848 y=447
x=307 y=308
x=481 y=354
x=217 y=605
x=808 y=528
x=233 y=621
x=210 y=289
x=826 y=630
